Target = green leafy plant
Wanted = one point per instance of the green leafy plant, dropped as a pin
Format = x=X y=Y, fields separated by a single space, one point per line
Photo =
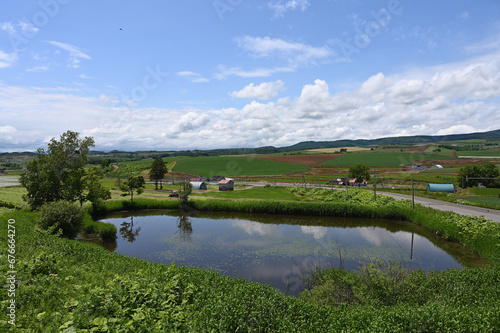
x=63 y=215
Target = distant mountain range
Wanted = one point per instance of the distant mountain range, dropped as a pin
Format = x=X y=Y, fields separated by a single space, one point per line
x=401 y=140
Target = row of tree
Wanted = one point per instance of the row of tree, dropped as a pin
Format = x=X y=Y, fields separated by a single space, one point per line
x=59 y=173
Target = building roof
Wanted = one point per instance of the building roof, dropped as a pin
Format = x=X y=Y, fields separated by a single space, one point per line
x=225 y=181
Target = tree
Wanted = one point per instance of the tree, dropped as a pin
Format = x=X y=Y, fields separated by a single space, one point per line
x=360 y=172
x=184 y=191
x=489 y=170
x=96 y=193
x=158 y=171
x=57 y=173
x=136 y=184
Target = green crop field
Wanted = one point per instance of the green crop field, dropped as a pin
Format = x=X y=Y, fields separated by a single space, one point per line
x=490 y=153
x=234 y=166
x=382 y=159
x=256 y=193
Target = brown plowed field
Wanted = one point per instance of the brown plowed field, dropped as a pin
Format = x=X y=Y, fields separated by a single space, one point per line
x=307 y=160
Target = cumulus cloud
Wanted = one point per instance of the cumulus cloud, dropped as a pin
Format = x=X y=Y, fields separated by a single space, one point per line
x=452 y=99
x=265 y=90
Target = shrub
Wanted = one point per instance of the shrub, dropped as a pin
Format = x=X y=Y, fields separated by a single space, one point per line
x=62 y=215
x=105 y=231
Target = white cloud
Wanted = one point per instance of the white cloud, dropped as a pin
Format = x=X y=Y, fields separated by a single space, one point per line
x=19 y=27
x=38 y=69
x=224 y=72
x=265 y=90
x=280 y=7
x=193 y=77
x=451 y=99
x=8 y=26
x=456 y=129
x=74 y=52
x=296 y=53
x=7 y=59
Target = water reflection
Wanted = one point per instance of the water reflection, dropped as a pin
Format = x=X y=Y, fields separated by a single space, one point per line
x=279 y=250
x=185 y=228
x=128 y=232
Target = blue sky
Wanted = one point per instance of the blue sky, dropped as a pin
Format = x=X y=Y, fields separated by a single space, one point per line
x=174 y=75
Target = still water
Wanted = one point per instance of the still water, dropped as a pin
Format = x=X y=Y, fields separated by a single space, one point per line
x=277 y=250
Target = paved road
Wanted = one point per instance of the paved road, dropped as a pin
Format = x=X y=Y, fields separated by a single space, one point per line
x=490 y=214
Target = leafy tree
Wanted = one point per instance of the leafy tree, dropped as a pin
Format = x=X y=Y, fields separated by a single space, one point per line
x=359 y=171
x=57 y=173
x=489 y=170
x=158 y=171
x=136 y=184
x=96 y=193
x=184 y=191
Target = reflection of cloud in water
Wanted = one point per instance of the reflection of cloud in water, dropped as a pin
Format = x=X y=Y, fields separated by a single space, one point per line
x=377 y=237
x=254 y=227
x=317 y=232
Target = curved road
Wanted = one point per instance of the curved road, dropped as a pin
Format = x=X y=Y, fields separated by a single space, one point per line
x=489 y=214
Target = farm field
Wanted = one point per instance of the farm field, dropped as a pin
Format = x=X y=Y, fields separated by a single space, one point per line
x=234 y=166
x=389 y=159
x=333 y=150
x=490 y=153
x=302 y=159
x=256 y=193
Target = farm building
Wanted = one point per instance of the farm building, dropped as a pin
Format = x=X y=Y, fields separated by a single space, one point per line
x=352 y=182
x=198 y=185
x=441 y=188
x=226 y=185
x=437 y=166
x=416 y=167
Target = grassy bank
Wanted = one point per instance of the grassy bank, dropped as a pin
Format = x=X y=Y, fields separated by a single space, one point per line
x=63 y=285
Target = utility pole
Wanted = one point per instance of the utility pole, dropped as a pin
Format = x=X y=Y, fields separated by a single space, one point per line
x=331 y=182
x=346 y=188
x=412 y=194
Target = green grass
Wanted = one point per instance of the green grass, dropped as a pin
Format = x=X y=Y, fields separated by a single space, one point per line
x=443 y=152
x=487 y=202
x=443 y=170
x=13 y=194
x=495 y=153
x=234 y=166
x=64 y=285
x=389 y=159
x=485 y=191
x=264 y=193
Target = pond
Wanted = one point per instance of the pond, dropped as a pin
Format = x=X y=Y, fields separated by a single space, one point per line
x=277 y=250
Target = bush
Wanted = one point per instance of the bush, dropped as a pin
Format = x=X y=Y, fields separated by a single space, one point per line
x=62 y=215
x=105 y=231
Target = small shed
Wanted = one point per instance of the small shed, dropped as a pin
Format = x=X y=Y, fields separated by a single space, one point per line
x=441 y=188
x=198 y=185
x=226 y=185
